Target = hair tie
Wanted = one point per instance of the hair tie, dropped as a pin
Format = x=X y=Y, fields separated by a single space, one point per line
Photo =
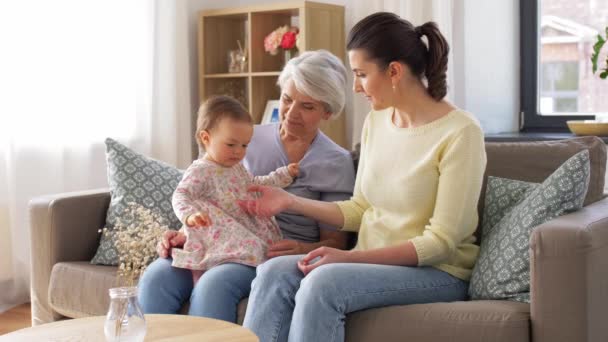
x=418 y=30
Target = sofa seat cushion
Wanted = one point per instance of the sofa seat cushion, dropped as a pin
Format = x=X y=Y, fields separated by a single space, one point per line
x=470 y=321
x=79 y=289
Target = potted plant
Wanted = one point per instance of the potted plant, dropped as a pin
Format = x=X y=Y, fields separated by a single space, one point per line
x=597 y=47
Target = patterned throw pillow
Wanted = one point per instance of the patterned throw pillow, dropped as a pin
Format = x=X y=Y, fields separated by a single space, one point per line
x=502 y=270
x=502 y=195
x=135 y=178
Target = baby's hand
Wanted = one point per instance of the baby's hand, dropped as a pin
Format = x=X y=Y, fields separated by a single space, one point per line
x=198 y=220
x=294 y=169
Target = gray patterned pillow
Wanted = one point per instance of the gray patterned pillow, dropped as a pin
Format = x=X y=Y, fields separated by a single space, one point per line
x=135 y=178
x=502 y=270
x=502 y=195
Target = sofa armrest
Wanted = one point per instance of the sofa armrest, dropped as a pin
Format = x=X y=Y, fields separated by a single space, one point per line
x=569 y=276
x=63 y=227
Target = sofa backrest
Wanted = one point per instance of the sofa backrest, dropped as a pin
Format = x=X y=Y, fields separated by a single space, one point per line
x=535 y=161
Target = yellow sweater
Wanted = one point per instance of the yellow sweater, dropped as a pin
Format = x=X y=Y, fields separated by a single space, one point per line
x=421 y=185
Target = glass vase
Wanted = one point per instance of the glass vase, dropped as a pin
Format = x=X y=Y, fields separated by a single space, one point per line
x=125 y=321
x=237 y=61
x=287 y=54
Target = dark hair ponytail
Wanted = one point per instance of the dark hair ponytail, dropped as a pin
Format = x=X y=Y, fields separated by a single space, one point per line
x=385 y=37
x=437 y=60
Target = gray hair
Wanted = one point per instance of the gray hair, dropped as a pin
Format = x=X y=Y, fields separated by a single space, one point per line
x=320 y=75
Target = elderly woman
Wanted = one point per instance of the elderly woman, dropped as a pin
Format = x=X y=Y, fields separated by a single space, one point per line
x=313 y=89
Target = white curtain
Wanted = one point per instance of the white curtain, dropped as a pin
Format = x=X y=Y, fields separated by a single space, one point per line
x=73 y=72
x=417 y=12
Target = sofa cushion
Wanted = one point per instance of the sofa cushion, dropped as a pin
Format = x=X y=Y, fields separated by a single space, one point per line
x=496 y=321
x=138 y=179
x=535 y=161
x=76 y=287
x=502 y=195
x=502 y=270
x=79 y=289
x=483 y=320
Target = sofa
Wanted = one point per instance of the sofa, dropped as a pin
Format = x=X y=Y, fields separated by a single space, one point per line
x=569 y=265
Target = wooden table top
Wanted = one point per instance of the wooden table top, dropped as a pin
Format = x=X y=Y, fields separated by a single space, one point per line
x=159 y=328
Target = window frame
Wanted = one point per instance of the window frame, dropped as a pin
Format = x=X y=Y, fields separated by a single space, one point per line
x=530 y=118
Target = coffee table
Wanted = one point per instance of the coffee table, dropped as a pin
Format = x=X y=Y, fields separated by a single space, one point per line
x=159 y=328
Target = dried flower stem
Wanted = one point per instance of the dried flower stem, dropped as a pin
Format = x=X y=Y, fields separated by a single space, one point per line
x=135 y=237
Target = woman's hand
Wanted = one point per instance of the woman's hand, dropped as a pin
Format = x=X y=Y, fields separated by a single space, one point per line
x=326 y=255
x=272 y=201
x=287 y=247
x=170 y=239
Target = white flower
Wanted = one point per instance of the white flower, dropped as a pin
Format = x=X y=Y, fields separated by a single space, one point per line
x=136 y=241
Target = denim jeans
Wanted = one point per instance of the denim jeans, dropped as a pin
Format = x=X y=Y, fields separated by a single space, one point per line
x=164 y=289
x=286 y=306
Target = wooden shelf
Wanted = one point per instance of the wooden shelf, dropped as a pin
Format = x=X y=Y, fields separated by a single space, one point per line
x=267 y=73
x=227 y=75
x=263 y=88
x=321 y=27
x=262 y=23
x=237 y=87
x=243 y=74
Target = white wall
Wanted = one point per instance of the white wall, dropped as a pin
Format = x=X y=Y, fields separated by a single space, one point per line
x=486 y=62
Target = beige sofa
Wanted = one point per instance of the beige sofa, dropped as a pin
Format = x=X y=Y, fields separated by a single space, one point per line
x=569 y=266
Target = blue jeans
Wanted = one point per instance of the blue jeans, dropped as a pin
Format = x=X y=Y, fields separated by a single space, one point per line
x=164 y=289
x=328 y=293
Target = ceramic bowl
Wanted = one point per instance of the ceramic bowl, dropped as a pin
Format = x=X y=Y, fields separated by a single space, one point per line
x=588 y=127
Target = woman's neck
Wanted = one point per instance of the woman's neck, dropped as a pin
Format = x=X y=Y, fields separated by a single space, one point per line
x=305 y=139
x=295 y=146
x=416 y=107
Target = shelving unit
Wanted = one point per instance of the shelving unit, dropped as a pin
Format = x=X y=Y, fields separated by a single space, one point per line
x=321 y=27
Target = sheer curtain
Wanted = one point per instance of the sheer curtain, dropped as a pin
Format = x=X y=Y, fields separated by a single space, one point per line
x=72 y=73
x=417 y=12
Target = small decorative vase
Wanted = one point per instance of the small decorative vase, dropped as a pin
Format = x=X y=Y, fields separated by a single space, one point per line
x=237 y=61
x=288 y=55
x=125 y=320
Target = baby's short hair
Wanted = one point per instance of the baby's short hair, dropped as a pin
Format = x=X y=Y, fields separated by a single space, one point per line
x=217 y=108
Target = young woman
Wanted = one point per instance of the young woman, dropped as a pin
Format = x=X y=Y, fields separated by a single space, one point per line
x=414 y=204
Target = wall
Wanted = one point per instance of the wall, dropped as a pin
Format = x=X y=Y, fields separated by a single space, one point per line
x=486 y=62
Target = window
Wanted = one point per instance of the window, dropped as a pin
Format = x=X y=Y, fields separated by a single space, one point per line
x=559 y=87
x=557 y=83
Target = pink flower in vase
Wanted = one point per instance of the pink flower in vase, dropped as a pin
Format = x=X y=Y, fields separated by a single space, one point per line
x=289 y=40
x=284 y=37
x=272 y=42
